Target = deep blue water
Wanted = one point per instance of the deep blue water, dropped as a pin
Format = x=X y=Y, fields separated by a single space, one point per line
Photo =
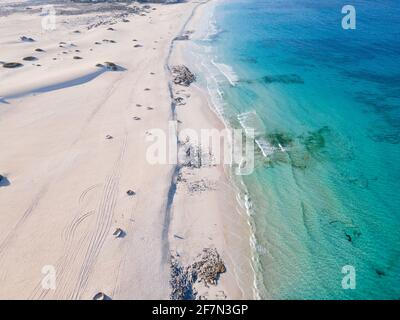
x=331 y=98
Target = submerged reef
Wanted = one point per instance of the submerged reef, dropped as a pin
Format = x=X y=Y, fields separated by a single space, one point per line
x=386 y=108
x=302 y=150
x=283 y=78
x=314 y=141
x=280 y=138
x=280 y=78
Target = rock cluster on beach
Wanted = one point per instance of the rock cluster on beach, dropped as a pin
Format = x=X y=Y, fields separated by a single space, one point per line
x=184 y=36
x=206 y=270
x=108 y=65
x=27 y=39
x=209 y=266
x=182 y=75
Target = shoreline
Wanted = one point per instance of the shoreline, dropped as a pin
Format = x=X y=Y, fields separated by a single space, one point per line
x=215 y=121
x=241 y=191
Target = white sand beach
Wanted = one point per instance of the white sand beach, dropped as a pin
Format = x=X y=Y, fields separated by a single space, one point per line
x=74 y=137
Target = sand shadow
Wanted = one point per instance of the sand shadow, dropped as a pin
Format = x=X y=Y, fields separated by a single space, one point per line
x=62 y=85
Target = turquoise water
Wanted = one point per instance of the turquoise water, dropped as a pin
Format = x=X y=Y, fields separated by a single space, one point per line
x=330 y=98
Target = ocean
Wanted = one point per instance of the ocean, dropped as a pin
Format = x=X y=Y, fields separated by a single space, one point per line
x=323 y=198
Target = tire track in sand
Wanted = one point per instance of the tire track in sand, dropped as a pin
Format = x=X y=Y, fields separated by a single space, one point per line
x=105 y=213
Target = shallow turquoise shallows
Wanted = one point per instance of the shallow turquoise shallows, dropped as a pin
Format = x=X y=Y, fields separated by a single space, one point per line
x=327 y=195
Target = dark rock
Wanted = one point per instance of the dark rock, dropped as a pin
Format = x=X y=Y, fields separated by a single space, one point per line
x=4 y=181
x=111 y=65
x=77 y=58
x=30 y=58
x=131 y=193
x=119 y=233
x=182 y=37
x=179 y=101
x=108 y=137
x=101 y=296
x=27 y=39
x=39 y=50
x=12 y=65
